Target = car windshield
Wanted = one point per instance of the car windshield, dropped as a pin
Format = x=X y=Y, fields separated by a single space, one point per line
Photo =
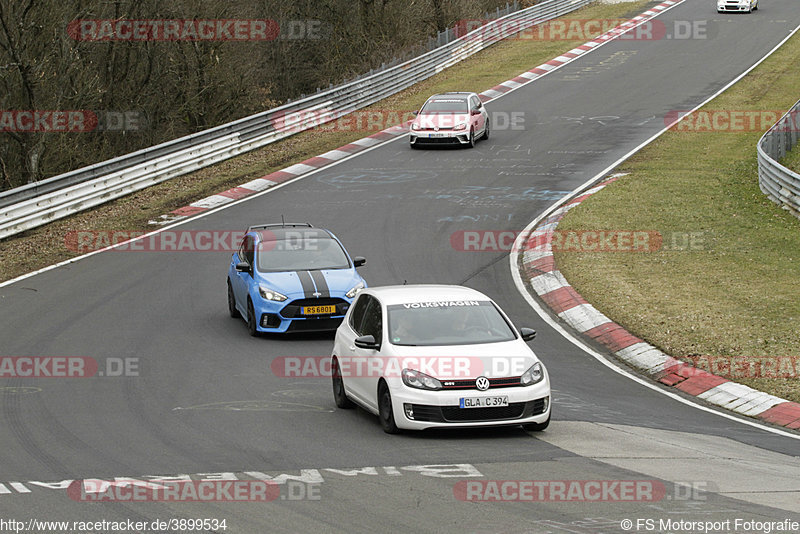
x=301 y=254
x=445 y=106
x=461 y=322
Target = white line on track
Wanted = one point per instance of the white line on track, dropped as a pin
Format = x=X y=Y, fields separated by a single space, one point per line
x=514 y=263
x=195 y=217
x=369 y=142
x=513 y=256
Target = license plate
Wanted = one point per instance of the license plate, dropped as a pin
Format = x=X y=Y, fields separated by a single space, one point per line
x=437 y=135
x=482 y=402
x=319 y=310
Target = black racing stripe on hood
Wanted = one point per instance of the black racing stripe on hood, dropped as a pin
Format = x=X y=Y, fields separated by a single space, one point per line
x=322 y=285
x=307 y=283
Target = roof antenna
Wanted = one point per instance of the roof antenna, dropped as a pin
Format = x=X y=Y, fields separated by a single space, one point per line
x=283 y=222
x=405 y=282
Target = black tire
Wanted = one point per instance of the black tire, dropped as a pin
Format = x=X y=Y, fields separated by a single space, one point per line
x=486 y=130
x=251 y=319
x=413 y=145
x=339 y=394
x=471 y=143
x=536 y=427
x=232 y=302
x=385 y=413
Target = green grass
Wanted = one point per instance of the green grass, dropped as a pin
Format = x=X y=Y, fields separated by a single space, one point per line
x=736 y=292
x=792 y=159
x=44 y=246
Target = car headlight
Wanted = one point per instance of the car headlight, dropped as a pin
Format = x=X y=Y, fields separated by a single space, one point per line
x=462 y=126
x=271 y=294
x=533 y=375
x=415 y=126
x=354 y=291
x=415 y=379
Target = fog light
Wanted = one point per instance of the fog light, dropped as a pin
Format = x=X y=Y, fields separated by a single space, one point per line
x=409 y=409
x=546 y=404
x=270 y=320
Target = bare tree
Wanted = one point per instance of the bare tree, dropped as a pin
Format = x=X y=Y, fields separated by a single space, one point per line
x=184 y=86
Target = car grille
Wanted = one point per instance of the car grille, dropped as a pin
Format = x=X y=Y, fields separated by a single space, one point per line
x=438 y=140
x=454 y=414
x=314 y=325
x=293 y=309
x=470 y=384
x=512 y=411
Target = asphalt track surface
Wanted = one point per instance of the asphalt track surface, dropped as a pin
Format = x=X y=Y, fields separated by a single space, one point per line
x=207 y=401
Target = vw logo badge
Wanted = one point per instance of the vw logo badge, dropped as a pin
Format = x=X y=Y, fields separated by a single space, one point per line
x=482 y=383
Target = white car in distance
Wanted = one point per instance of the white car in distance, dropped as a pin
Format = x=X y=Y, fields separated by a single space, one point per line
x=737 y=6
x=437 y=356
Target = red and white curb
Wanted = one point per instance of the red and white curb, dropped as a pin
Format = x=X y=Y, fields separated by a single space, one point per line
x=283 y=175
x=332 y=156
x=567 y=57
x=544 y=279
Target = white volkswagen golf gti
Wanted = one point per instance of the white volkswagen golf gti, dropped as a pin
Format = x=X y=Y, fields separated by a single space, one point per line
x=425 y=356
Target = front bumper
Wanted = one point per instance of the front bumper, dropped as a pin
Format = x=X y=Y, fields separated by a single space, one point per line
x=441 y=137
x=733 y=8
x=279 y=317
x=440 y=409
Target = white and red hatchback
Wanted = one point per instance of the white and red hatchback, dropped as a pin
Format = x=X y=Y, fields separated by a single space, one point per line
x=450 y=118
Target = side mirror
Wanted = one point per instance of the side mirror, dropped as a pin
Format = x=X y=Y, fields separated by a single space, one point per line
x=243 y=267
x=475 y=112
x=358 y=261
x=415 y=112
x=367 y=342
x=527 y=334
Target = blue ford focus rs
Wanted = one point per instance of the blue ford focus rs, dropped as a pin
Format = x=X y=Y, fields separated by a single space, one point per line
x=292 y=278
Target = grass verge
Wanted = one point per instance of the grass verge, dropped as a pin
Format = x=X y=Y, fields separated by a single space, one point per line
x=45 y=246
x=792 y=159
x=733 y=292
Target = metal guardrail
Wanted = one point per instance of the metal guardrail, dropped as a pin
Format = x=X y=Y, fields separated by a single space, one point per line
x=38 y=203
x=780 y=184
